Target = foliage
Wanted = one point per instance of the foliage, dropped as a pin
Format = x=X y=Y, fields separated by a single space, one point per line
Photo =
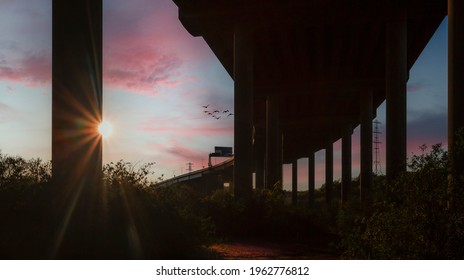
x=418 y=216
x=21 y=180
x=126 y=217
x=23 y=185
x=165 y=221
x=264 y=214
x=412 y=218
x=122 y=219
x=16 y=171
x=124 y=173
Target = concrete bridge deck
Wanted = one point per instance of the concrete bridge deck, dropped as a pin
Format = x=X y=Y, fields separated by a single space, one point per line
x=206 y=179
x=317 y=57
x=307 y=72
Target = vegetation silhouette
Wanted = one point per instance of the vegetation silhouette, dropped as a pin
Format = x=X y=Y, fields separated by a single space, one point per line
x=127 y=218
x=418 y=216
x=124 y=220
x=410 y=218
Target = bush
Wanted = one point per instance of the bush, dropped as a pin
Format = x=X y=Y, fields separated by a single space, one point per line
x=15 y=171
x=124 y=218
x=413 y=220
x=263 y=215
x=152 y=223
x=124 y=173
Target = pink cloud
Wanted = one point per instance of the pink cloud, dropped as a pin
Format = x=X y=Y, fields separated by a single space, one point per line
x=185 y=153
x=179 y=129
x=34 y=69
x=135 y=54
x=145 y=45
x=141 y=70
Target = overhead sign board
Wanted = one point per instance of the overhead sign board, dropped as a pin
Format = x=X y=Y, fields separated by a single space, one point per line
x=223 y=151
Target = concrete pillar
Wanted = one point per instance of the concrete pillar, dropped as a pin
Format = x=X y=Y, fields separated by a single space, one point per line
x=366 y=144
x=295 y=182
x=311 y=178
x=259 y=147
x=455 y=84
x=329 y=172
x=346 y=163
x=76 y=114
x=396 y=79
x=243 y=104
x=77 y=93
x=273 y=143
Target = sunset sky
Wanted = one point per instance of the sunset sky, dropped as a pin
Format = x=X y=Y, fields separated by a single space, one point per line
x=156 y=79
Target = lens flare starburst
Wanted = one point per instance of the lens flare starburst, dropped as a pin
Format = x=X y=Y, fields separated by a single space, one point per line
x=105 y=129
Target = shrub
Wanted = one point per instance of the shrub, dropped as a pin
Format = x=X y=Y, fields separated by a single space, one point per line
x=152 y=223
x=16 y=171
x=122 y=219
x=124 y=173
x=413 y=220
x=263 y=215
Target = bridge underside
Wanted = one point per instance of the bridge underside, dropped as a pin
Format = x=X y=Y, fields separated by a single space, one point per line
x=307 y=72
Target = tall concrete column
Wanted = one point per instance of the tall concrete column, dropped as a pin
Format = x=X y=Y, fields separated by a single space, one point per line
x=346 y=163
x=396 y=79
x=311 y=178
x=259 y=147
x=295 y=182
x=329 y=172
x=76 y=114
x=455 y=84
x=366 y=144
x=273 y=143
x=77 y=93
x=243 y=104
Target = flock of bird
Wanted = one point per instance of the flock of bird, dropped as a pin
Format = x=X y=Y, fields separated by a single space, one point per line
x=216 y=113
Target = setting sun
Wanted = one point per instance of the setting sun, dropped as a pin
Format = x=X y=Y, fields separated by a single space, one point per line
x=105 y=129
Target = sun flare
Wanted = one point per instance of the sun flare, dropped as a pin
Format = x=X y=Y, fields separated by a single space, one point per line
x=105 y=129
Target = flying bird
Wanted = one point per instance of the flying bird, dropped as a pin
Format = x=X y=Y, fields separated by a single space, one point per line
x=226 y=111
x=229 y=114
x=206 y=112
x=217 y=118
x=216 y=111
x=205 y=106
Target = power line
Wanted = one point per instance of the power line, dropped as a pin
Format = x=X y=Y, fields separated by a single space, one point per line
x=377 y=142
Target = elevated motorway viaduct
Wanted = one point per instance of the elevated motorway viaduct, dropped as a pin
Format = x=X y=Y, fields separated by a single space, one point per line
x=307 y=72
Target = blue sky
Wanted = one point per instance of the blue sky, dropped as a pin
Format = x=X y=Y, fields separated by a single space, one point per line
x=156 y=79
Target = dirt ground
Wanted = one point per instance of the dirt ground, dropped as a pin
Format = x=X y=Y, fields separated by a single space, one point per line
x=265 y=250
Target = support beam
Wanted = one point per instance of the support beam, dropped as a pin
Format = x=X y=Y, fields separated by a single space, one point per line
x=329 y=172
x=273 y=143
x=311 y=178
x=366 y=145
x=455 y=85
x=346 y=163
x=396 y=78
x=295 y=182
x=243 y=104
x=77 y=93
